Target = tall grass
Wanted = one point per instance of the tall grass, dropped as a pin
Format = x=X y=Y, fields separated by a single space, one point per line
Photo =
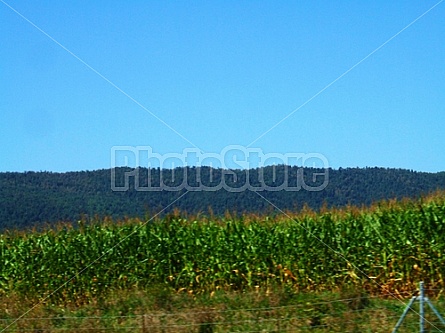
x=389 y=247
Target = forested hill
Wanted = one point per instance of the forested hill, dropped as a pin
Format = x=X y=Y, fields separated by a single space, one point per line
x=33 y=198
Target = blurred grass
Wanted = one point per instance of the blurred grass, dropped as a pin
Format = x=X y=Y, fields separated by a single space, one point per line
x=165 y=310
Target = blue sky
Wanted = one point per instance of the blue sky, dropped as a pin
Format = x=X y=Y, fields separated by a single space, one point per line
x=222 y=73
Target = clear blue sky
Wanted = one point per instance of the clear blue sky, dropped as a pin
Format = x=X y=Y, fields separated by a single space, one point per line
x=222 y=73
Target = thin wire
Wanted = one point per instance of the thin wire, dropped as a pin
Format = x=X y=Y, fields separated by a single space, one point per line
x=72 y=328
x=283 y=307
x=97 y=259
x=227 y=323
x=338 y=253
x=345 y=73
x=98 y=73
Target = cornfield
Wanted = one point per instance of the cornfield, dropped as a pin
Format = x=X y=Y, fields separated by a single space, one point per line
x=389 y=247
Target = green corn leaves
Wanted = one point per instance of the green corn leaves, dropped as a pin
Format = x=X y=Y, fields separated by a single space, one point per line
x=384 y=248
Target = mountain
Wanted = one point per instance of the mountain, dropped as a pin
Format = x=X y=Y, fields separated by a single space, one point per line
x=35 y=198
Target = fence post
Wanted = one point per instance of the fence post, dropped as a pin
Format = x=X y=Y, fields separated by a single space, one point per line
x=435 y=311
x=405 y=312
x=422 y=299
x=421 y=309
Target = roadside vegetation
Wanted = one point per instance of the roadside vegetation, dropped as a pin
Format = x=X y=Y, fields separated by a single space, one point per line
x=207 y=263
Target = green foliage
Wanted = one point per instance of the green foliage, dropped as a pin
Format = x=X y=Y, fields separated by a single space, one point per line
x=387 y=248
x=222 y=311
x=34 y=198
